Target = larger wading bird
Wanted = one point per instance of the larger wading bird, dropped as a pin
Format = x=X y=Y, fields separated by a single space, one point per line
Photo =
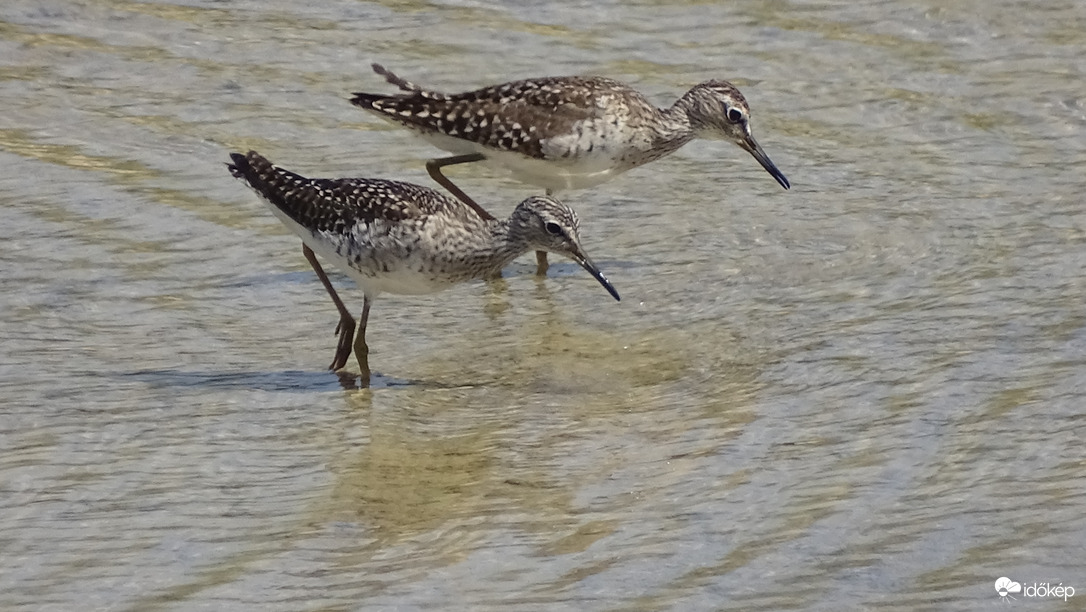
x=563 y=132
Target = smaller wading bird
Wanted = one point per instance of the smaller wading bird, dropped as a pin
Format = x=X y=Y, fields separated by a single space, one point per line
x=401 y=238
x=563 y=132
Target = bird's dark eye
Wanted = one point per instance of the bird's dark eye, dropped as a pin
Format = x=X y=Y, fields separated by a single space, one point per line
x=735 y=115
x=553 y=228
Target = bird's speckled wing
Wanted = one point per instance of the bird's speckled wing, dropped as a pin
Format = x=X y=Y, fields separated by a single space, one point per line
x=515 y=117
x=336 y=205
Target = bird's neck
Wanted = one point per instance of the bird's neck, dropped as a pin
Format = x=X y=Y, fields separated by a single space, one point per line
x=675 y=127
x=495 y=248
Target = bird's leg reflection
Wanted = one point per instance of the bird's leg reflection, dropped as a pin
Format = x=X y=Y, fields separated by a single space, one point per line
x=349 y=381
x=496 y=297
x=543 y=293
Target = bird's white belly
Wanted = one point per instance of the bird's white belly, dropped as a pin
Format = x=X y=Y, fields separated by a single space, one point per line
x=402 y=281
x=397 y=272
x=394 y=273
x=555 y=176
x=583 y=168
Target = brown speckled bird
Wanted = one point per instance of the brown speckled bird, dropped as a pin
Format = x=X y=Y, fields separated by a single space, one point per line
x=402 y=238
x=563 y=132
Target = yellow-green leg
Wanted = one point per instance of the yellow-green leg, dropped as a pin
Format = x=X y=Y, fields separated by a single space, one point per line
x=346 y=325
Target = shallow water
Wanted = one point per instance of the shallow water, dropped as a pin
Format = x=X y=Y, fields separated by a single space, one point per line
x=863 y=393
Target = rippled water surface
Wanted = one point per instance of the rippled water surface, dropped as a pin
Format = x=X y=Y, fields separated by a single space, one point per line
x=867 y=392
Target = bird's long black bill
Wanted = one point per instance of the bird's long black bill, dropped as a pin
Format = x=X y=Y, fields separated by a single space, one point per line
x=751 y=146
x=587 y=264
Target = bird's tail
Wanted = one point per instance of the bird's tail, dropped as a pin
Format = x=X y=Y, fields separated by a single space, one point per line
x=366 y=100
x=391 y=77
x=296 y=196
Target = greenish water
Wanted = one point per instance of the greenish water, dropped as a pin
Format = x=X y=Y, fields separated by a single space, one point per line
x=866 y=392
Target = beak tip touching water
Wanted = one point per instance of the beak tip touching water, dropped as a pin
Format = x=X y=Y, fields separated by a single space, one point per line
x=606 y=284
x=591 y=268
x=752 y=147
x=611 y=290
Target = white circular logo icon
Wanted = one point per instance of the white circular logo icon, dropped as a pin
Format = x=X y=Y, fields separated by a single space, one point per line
x=1005 y=586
